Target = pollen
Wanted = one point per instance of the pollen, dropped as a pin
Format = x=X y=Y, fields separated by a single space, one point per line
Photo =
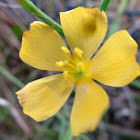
x=78 y=52
x=60 y=64
x=64 y=49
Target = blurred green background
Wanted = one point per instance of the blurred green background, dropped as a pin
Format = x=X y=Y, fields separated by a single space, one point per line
x=121 y=122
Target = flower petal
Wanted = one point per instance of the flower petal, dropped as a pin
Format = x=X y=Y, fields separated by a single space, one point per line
x=41 y=47
x=91 y=101
x=115 y=63
x=84 y=28
x=42 y=98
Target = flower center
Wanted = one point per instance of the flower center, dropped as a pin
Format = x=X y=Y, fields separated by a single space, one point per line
x=74 y=66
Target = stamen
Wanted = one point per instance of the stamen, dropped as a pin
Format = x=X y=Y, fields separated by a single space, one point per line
x=60 y=64
x=65 y=50
x=83 y=59
x=69 y=58
x=72 y=66
x=65 y=74
x=78 y=52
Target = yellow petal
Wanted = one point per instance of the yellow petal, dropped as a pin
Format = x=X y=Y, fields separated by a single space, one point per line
x=90 y=103
x=42 y=98
x=41 y=47
x=115 y=63
x=84 y=28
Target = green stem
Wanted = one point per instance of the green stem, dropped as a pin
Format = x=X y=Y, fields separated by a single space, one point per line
x=104 y=5
x=68 y=133
x=12 y=78
x=28 y=5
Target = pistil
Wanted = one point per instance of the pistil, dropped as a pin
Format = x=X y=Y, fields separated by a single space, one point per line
x=75 y=69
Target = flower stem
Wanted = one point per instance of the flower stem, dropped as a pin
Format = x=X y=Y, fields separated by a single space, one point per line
x=104 y=5
x=28 y=5
x=68 y=133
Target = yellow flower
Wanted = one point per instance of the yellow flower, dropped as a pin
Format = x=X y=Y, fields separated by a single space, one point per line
x=113 y=65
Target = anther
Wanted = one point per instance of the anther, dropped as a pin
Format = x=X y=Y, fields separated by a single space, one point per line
x=65 y=50
x=78 y=52
x=60 y=64
x=65 y=74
